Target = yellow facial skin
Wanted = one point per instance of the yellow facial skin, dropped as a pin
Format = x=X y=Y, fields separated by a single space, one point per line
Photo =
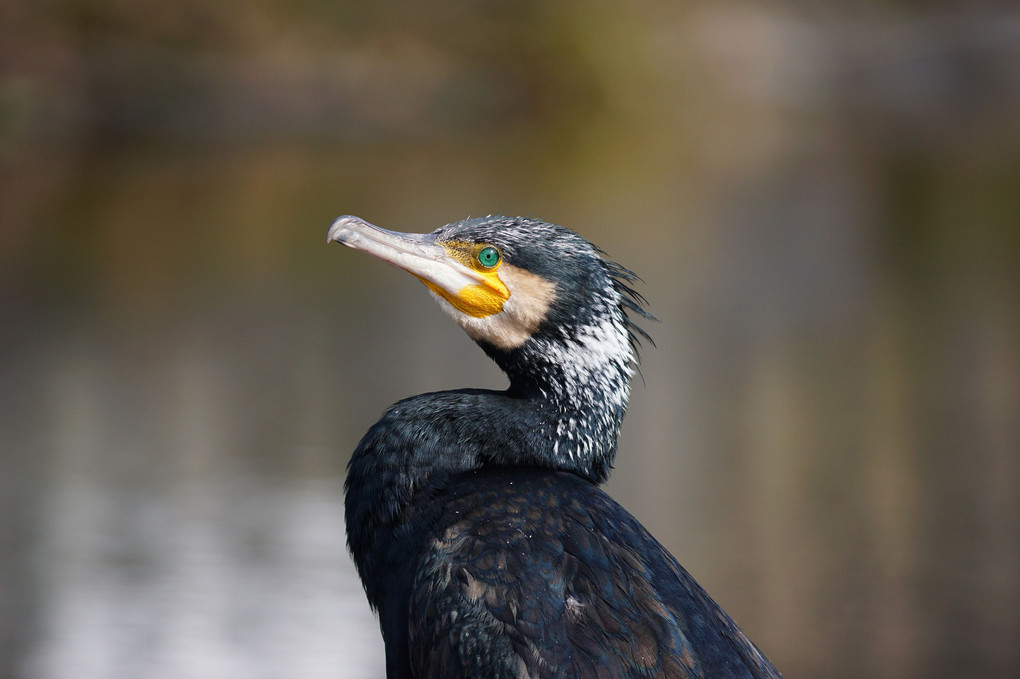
x=481 y=299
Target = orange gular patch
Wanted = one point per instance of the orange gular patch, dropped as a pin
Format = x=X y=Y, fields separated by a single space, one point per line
x=478 y=300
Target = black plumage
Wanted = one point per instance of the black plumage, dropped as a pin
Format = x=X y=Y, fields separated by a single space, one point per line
x=475 y=518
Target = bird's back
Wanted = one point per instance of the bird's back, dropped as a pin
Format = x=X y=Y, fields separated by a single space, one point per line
x=532 y=573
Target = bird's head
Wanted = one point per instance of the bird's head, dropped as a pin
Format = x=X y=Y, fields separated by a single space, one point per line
x=540 y=300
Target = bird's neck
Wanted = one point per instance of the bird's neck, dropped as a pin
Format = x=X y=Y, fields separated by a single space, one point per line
x=556 y=415
x=580 y=383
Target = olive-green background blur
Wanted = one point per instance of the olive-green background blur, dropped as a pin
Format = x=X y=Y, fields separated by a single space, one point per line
x=823 y=200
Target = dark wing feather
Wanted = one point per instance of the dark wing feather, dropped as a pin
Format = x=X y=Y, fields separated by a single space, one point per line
x=541 y=574
x=485 y=593
x=617 y=621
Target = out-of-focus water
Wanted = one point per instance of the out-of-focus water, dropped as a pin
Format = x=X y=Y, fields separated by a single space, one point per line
x=167 y=525
x=202 y=579
x=824 y=209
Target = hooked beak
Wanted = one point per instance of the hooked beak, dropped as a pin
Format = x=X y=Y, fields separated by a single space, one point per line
x=416 y=253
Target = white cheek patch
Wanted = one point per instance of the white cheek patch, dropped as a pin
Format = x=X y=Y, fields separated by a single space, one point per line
x=530 y=299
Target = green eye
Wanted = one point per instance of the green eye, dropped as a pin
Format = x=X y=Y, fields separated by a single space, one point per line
x=488 y=257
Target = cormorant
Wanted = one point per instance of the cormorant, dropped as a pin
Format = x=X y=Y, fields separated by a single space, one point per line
x=475 y=517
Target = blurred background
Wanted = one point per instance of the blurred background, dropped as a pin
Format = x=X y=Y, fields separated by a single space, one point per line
x=823 y=200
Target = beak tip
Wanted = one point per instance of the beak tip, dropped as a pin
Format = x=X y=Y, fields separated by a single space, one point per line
x=340 y=225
